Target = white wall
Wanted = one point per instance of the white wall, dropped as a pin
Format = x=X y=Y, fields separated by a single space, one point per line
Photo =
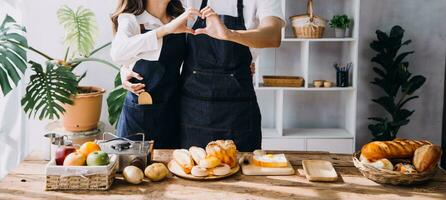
x=423 y=22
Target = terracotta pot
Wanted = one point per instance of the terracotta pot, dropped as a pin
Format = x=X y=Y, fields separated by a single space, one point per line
x=84 y=114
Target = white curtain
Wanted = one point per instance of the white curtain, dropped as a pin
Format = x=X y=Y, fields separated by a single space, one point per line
x=13 y=140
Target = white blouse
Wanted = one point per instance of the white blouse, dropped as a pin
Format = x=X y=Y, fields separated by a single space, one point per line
x=129 y=45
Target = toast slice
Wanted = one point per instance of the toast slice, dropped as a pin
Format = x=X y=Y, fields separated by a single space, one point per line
x=270 y=160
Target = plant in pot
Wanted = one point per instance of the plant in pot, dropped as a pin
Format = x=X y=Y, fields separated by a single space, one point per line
x=341 y=25
x=396 y=81
x=53 y=90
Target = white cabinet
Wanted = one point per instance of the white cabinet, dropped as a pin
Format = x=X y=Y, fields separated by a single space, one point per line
x=343 y=146
x=310 y=118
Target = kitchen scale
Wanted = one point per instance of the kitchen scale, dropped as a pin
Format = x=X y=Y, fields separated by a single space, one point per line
x=129 y=152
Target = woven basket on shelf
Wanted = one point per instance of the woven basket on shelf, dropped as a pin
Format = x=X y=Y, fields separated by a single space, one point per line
x=392 y=177
x=80 y=177
x=283 y=81
x=308 y=25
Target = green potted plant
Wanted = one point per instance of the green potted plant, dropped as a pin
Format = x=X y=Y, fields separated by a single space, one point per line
x=341 y=25
x=54 y=90
x=396 y=81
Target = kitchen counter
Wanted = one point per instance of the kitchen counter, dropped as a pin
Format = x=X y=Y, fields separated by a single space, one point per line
x=27 y=181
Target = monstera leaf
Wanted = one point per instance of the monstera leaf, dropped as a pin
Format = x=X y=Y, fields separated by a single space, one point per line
x=48 y=90
x=115 y=101
x=12 y=54
x=80 y=29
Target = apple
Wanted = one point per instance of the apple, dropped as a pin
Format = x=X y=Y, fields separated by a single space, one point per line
x=62 y=152
x=74 y=159
x=98 y=158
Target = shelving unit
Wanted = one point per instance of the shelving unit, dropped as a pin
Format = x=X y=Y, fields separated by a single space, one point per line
x=309 y=118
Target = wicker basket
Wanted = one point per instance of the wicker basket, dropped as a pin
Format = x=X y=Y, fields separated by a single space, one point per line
x=283 y=81
x=392 y=177
x=81 y=177
x=308 y=25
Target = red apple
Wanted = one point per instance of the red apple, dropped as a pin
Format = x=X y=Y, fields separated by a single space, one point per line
x=62 y=152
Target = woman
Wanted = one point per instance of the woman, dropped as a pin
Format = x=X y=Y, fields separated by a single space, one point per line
x=149 y=43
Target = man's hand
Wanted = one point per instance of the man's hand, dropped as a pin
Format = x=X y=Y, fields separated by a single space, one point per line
x=214 y=26
x=126 y=76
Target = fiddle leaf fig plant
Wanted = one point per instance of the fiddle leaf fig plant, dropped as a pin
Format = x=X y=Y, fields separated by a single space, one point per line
x=53 y=83
x=396 y=81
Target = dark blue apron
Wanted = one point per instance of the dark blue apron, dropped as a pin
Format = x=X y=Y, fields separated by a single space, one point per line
x=218 y=99
x=160 y=121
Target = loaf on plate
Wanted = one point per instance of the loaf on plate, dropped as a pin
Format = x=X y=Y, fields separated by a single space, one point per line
x=398 y=148
x=225 y=150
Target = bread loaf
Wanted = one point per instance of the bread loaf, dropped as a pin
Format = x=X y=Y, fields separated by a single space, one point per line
x=426 y=157
x=398 y=148
x=225 y=150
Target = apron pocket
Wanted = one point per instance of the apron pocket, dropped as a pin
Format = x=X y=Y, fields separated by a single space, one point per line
x=217 y=86
x=230 y=116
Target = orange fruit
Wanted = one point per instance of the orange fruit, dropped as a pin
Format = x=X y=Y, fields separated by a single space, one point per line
x=74 y=159
x=89 y=147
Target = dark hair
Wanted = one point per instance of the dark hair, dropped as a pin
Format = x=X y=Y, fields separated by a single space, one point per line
x=174 y=9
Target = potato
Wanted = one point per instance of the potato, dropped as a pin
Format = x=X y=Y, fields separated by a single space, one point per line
x=156 y=172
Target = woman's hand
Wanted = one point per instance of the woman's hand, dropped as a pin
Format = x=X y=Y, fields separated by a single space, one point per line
x=126 y=76
x=179 y=24
x=214 y=26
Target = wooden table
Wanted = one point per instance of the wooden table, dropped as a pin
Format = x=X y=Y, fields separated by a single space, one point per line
x=28 y=182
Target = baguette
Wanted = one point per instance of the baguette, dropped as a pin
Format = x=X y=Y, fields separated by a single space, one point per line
x=183 y=159
x=197 y=154
x=398 y=148
x=426 y=157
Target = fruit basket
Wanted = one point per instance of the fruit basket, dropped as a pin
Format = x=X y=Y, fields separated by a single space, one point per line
x=80 y=177
x=392 y=177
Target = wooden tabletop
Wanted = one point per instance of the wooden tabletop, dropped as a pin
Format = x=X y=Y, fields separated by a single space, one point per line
x=27 y=181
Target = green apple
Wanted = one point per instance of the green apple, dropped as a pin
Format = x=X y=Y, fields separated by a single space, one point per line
x=98 y=158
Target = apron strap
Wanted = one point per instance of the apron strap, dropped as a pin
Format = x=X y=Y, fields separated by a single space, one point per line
x=240 y=11
x=204 y=3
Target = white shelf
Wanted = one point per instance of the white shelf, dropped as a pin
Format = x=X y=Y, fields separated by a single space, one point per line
x=319 y=40
x=288 y=109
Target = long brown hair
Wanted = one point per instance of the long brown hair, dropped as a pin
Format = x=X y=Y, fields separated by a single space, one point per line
x=174 y=9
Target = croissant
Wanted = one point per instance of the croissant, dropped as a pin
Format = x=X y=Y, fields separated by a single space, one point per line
x=398 y=148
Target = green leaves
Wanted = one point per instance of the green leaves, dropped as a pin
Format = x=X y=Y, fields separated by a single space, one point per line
x=80 y=29
x=12 y=54
x=48 y=90
x=395 y=79
x=115 y=101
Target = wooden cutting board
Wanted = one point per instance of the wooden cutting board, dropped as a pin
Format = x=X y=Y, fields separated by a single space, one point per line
x=253 y=170
x=319 y=170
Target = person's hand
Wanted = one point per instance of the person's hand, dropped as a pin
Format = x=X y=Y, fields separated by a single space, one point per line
x=126 y=76
x=214 y=26
x=179 y=24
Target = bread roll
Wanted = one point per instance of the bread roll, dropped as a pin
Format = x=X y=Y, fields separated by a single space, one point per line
x=382 y=164
x=221 y=170
x=426 y=157
x=197 y=154
x=209 y=162
x=405 y=168
x=183 y=159
x=397 y=148
x=199 y=171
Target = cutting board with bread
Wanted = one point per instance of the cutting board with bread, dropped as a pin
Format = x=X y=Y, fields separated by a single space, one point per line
x=398 y=162
x=262 y=164
x=217 y=161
